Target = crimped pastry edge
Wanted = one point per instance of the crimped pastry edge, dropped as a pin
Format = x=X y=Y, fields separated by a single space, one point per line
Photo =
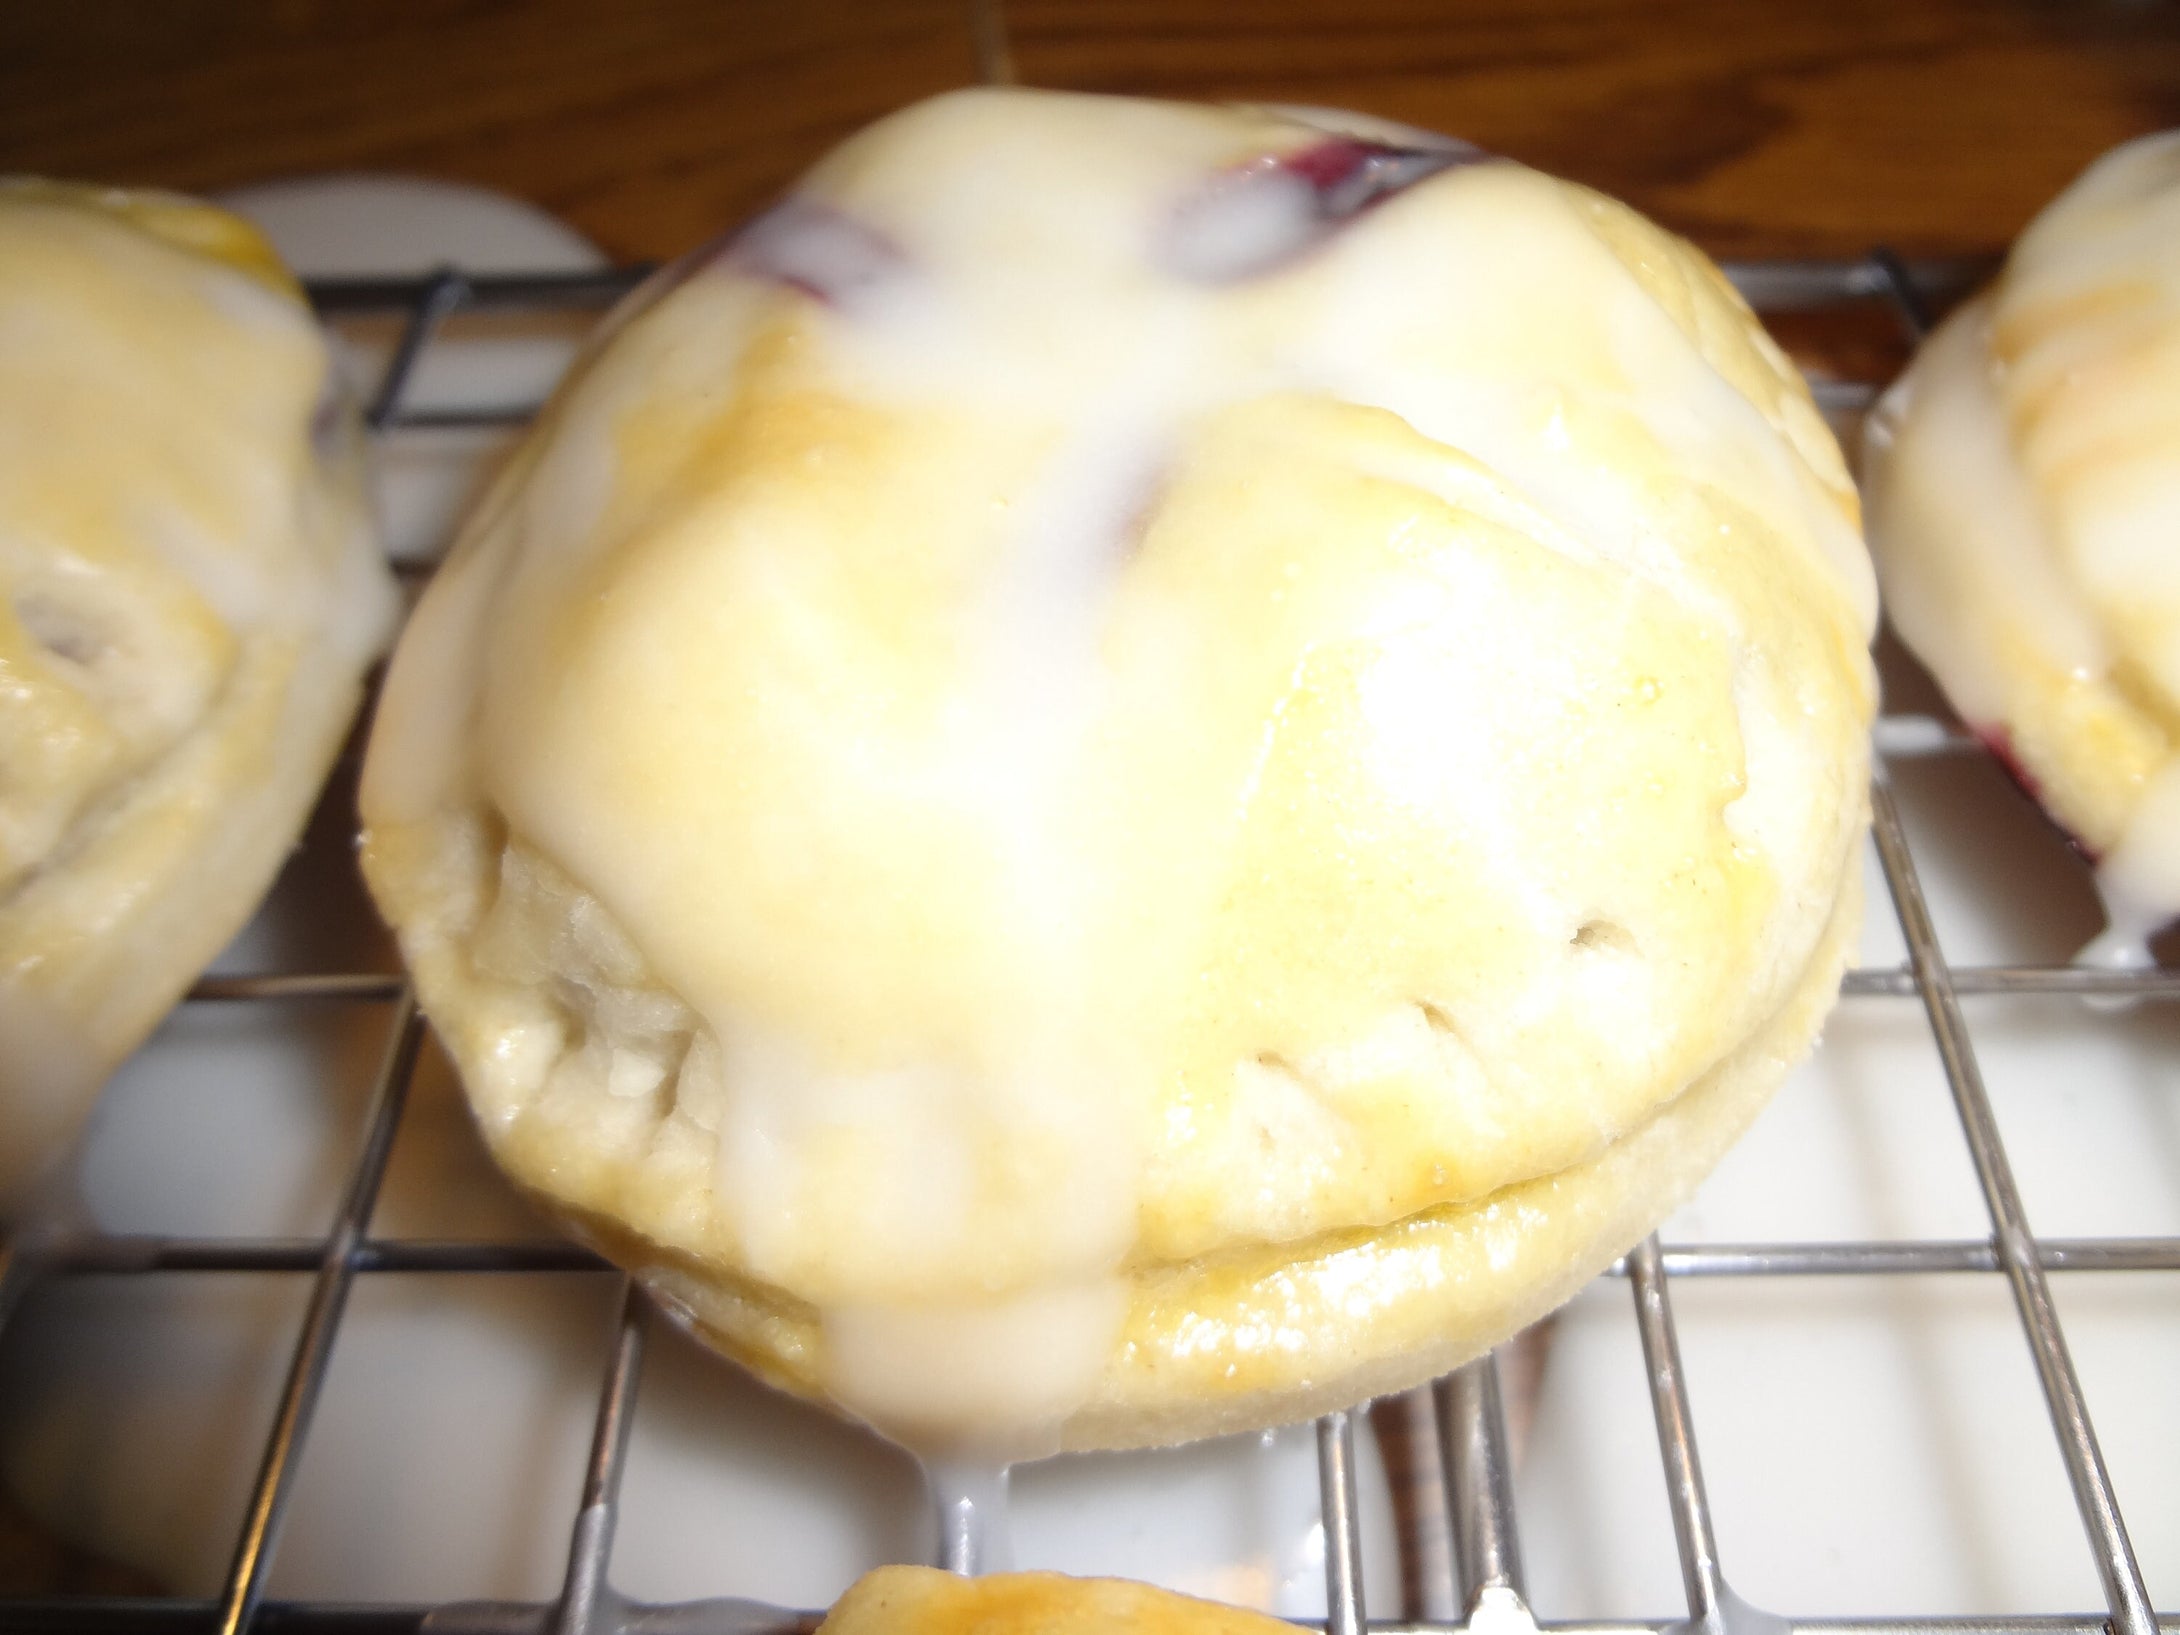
x=1459 y=1288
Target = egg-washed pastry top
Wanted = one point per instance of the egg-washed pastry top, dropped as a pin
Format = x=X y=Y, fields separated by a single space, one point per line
x=1133 y=767
x=188 y=596
x=2024 y=481
x=926 y=1601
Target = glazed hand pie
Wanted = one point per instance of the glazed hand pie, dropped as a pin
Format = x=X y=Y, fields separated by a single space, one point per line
x=926 y=1601
x=189 y=595
x=2024 y=483
x=1138 y=769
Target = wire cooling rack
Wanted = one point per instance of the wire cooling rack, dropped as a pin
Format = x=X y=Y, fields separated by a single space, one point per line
x=1471 y=1422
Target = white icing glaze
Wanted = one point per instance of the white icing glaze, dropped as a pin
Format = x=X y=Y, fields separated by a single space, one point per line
x=2139 y=878
x=1001 y=1375
x=970 y=1500
x=2090 y=307
x=1974 y=570
x=1242 y=226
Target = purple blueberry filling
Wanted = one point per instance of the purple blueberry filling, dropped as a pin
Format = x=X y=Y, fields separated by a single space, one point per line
x=1257 y=217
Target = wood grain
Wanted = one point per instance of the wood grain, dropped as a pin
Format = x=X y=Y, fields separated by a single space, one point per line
x=1787 y=127
x=648 y=125
x=1776 y=128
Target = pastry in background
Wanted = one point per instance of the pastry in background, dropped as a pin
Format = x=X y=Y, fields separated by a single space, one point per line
x=926 y=1601
x=189 y=595
x=1135 y=770
x=2024 y=490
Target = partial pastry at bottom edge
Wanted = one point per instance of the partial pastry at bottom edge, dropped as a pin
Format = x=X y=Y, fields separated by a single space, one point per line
x=925 y=1601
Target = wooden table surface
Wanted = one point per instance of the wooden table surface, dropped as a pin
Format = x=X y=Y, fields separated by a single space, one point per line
x=1782 y=128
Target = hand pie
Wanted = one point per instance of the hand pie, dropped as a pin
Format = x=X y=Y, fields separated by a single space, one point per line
x=1138 y=769
x=189 y=595
x=2024 y=484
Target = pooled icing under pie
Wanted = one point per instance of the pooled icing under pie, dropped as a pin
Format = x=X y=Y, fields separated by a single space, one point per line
x=926 y=1601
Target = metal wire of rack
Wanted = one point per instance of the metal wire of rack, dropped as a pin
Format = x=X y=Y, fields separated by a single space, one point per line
x=1471 y=1422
